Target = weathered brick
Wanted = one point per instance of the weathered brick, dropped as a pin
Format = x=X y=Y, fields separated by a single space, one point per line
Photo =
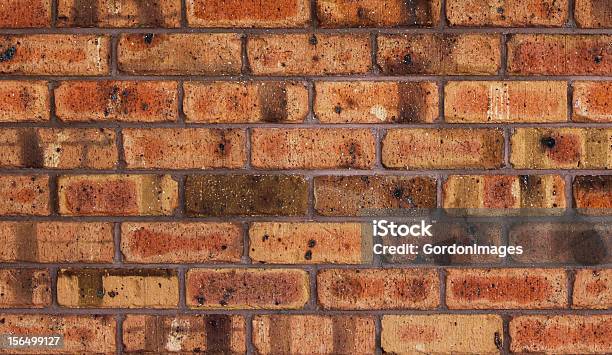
x=248 y=13
x=176 y=54
x=56 y=242
x=505 y=101
x=210 y=334
x=561 y=148
x=130 y=195
x=298 y=334
x=181 y=242
x=443 y=54
x=504 y=191
x=54 y=54
x=376 y=102
x=255 y=195
x=126 y=101
x=24 y=195
x=118 y=13
x=245 y=102
x=378 y=289
x=443 y=148
x=24 y=101
x=593 y=13
x=117 y=288
x=279 y=148
x=564 y=334
x=593 y=289
x=442 y=334
x=303 y=54
x=81 y=333
x=591 y=101
x=507 y=13
x=184 y=148
x=559 y=54
x=29 y=288
x=593 y=191
x=378 y=13
x=361 y=195
x=24 y=14
x=247 y=288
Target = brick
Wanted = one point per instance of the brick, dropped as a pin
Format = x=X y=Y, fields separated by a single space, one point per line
x=443 y=148
x=54 y=54
x=563 y=334
x=593 y=192
x=119 y=13
x=593 y=289
x=211 y=334
x=56 y=242
x=20 y=14
x=544 y=54
x=309 y=243
x=247 y=288
x=184 y=148
x=442 y=54
x=181 y=242
x=24 y=101
x=248 y=13
x=246 y=102
x=362 y=195
x=112 y=195
x=378 y=13
x=117 y=288
x=561 y=148
x=250 y=195
x=180 y=54
x=507 y=13
x=293 y=334
x=303 y=54
x=376 y=102
x=27 y=288
x=442 y=334
x=505 y=101
x=82 y=333
x=591 y=101
x=378 y=289
x=504 y=191
x=24 y=195
x=593 y=13
x=124 y=101
x=279 y=148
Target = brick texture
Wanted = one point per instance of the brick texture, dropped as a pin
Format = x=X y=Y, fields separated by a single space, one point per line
x=25 y=288
x=24 y=101
x=591 y=101
x=593 y=192
x=593 y=13
x=593 y=289
x=24 y=195
x=512 y=13
x=19 y=14
x=248 y=13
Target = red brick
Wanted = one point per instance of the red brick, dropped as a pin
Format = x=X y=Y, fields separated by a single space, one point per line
x=591 y=101
x=508 y=13
x=376 y=102
x=55 y=54
x=24 y=14
x=593 y=289
x=442 y=54
x=125 y=101
x=247 y=288
x=181 y=242
x=248 y=13
x=443 y=148
x=593 y=13
x=378 y=289
x=559 y=54
x=378 y=13
x=293 y=334
x=27 y=288
x=119 y=13
x=593 y=192
x=24 y=195
x=180 y=54
x=278 y=148
x=505 y=101
x=24 y=101
x=303 y=54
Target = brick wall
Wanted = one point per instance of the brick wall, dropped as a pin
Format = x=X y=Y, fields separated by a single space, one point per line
x=187 y=175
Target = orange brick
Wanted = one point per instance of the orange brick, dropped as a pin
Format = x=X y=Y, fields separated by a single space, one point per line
x=24 y=195
x=248 y=13
x=593 y=192
x=593 y=289
x=378 y=289
x=111 y=195
x=378 y=13
x=247 y=288
x=376 y=102
x=24 y=14
x=507 y=13
x=126 y=101
x=442 y=54
x=592 y=102
x=28 y=288
x=443 y=148
x=181 y=242
x=593 y=13
x=278 y=148
x=176 y=54
x=24 y=101
x=505 y=101
x=118 y=13
x=303 y=54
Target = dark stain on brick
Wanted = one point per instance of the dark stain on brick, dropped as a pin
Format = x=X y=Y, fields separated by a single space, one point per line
x=280 y=335
x=308 y=255
x=148 y=38
x=343 y=333
x=497 y=340
x=313 y=40
x=273 y=102
x=411 y=102
x=85 y=13
x=218 y=333
x=150 y=13
x=531 y=190
x=588 y=248
x=91 y=288
x=548 y=142
x=27 y=242
x=153 y=330
x=312 y=243
x=31 y=152
x=417 y=12
x=8 y=54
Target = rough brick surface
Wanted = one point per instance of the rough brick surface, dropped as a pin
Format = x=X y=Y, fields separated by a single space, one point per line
x=248 y=13
x=593 y=289
x=24 y=101
x=511 y=13
x=593 y=13
x=27 y=288
x=20 y=14
x=24 y=195
x=593 y=191
x=121 y=13
x=591 y=101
